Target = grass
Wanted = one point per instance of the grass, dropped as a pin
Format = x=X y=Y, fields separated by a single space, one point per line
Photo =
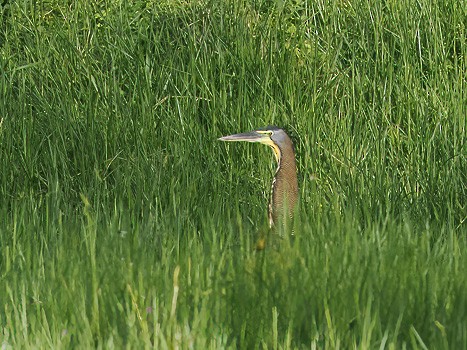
x=124 y=223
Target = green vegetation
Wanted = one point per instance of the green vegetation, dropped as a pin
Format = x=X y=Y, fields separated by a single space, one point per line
x=125 y=224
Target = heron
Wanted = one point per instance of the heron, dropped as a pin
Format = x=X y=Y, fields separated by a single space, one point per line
x=284 y=189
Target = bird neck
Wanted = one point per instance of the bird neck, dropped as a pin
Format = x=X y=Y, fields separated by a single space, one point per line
x=284 y=186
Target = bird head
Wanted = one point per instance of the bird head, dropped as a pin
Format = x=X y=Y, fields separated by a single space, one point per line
x=272 y=136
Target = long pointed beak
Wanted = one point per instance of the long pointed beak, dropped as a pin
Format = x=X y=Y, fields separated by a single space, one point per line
x=252 y=136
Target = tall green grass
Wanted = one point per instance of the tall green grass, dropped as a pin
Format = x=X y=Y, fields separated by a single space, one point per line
x=124 y=223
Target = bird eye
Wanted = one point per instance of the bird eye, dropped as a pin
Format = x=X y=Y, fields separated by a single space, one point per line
x=266 y=132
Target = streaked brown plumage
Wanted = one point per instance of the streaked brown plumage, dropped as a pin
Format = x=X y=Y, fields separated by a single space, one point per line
x=284 y=192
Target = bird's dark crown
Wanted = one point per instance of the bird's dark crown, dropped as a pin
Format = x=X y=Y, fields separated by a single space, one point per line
x=270 y=128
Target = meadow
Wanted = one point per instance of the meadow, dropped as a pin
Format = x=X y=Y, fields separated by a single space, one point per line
x=124 y=223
